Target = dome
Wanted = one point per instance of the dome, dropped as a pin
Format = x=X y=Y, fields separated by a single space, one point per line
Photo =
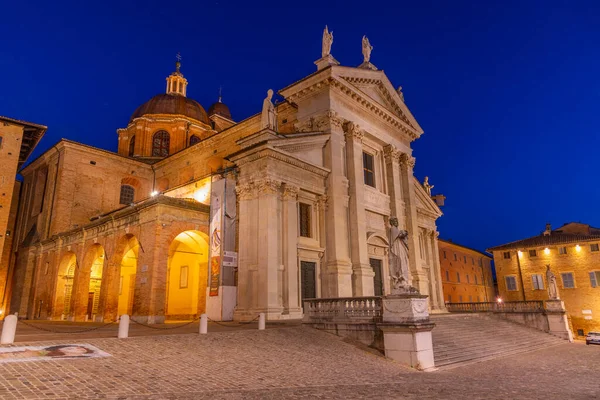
x=172 y=104
x=220 y=109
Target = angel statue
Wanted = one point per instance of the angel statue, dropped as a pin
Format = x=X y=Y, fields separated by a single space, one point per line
x=327 y=42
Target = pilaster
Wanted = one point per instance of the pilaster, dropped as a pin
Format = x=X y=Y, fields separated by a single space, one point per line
x=437 y=281
x=394 y=179
x=291 y=302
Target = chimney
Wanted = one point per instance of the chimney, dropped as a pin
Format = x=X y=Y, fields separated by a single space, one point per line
x=548 y=230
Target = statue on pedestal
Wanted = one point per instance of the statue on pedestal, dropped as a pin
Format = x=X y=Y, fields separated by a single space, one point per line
x=366 y=49
x=268 y=118
x=427 y=186
x=399 y=273
x=552 y=286
x=327 y=42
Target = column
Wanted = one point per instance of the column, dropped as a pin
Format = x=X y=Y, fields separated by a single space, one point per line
x=362 y=273
x=418 y=277
x=338 y=282
x=437 y=283
x=291 y=297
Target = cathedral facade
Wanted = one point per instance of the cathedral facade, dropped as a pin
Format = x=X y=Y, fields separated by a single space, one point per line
x=198 y=213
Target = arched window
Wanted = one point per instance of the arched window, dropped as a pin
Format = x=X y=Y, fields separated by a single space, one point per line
x=194 y=139
x=160 y=144
x=127 y=193
x=131 y=146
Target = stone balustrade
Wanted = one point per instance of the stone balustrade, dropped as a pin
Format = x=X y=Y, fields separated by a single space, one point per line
x=343 y=308
x=503 y=307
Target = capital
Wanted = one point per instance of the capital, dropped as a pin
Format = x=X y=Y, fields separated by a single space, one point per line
x=334 y=119
x=245 y=191
x=353 y=131
x=290 y=192
x=391 y=153
x=268 y=186
x=407 y=160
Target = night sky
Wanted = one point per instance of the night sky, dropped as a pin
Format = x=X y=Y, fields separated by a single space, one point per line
x=506 y=92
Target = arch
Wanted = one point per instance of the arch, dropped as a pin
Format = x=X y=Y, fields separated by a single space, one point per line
x=194 y=140
x=187 y=275
x=88 y=283
x=64 y=286
x=127 y=252
x=377 y=239
x=131 y=146
x=160 y=144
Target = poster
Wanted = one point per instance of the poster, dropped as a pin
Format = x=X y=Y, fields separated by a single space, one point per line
x=45 y=353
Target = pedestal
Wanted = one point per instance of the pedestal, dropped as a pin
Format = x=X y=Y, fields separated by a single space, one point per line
x=326 y=62
x=558 y=325
x=367 y=65
x=407 y=331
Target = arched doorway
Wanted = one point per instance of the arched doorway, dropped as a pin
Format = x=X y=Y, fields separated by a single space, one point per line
x=127 y=271
x=187 y=275
x=88 y=282
x=64 y=286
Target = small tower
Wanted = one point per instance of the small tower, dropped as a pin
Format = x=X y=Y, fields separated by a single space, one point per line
x=176 y=83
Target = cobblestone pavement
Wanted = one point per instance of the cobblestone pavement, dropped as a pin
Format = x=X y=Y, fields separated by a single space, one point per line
x=292 y=363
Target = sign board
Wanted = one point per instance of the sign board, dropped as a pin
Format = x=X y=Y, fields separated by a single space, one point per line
x=586 y=311
x=230 y=258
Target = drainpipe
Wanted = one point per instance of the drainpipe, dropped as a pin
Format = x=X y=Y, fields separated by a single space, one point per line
x=521 y=276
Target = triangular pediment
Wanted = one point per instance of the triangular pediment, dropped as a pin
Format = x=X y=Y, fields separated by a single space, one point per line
x=307 y=147
x=425 y=203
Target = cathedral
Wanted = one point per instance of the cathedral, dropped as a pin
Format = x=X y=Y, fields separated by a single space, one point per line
x=197 y=213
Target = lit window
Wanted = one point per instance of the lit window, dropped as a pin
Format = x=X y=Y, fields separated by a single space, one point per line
x=511 y=283
x=507 y=255
x=458 y=277
x=562 y=250
x=532 y=253
x=369 y=169
x=594 y=247
x=538 y=281
x=131 y=146
x=160 y=144
x=568 y=280
x=194 y=139
x=595 y=278
x=127 y=194
x=304 y=211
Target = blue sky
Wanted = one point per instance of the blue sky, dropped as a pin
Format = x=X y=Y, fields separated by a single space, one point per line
x=506 y=92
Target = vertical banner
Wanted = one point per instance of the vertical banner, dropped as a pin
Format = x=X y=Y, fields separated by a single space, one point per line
x=216 y=235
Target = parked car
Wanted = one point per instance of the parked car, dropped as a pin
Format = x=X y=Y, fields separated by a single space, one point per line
x=592 y=338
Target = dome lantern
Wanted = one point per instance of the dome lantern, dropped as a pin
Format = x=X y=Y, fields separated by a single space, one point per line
x=176 y=83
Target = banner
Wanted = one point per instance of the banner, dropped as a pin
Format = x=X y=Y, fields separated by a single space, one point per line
x=216 y=235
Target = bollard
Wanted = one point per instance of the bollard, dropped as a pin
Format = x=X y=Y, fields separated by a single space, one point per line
x=123 y=327
x=203 y=324
x=261 y=321
x=9 y=329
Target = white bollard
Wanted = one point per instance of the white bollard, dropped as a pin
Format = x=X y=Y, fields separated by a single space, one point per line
x=9 y=329
x=261 y=321
x=203 y=324
x=123 y=327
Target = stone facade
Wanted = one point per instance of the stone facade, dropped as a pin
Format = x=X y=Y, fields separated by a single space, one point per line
x=466 y=274
x=312 y=206
x=573 y=256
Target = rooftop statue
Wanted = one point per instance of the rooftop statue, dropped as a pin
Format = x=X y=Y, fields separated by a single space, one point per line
x=268 y=118
x=366 y=49
x=327 y=42
x=427 y=186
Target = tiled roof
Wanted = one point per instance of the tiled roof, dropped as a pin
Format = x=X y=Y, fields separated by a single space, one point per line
x=555 y=238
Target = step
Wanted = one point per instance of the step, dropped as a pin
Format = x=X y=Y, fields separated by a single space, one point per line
x=491 y=349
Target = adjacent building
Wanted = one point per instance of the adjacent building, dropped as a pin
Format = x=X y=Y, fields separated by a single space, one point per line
x=196 y=212
x=467 y=274
x=17 y=141
x=573 y=254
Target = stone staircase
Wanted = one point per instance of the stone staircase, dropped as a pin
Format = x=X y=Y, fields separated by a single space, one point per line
x=460 y=339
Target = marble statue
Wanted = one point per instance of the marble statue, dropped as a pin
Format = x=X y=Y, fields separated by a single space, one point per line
x=400 y=93
x=327 y=42
x=268 y=118
x=427 y=186
x=399 y=259
x=366 y=49
x=552 y=286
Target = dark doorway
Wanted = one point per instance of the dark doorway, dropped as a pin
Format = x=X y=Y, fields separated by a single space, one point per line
x=307 y=272
x=90 y=306
x=378 y=278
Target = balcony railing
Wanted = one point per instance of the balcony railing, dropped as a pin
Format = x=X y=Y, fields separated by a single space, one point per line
x=506 y=307
x=343 y=308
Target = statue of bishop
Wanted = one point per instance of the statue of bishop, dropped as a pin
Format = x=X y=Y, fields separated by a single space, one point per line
x=552 y=286
x=399 y=273
x=327 y=42
x=268 y=119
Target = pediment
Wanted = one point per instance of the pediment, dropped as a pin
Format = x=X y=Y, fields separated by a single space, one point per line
x=425 y=203
x=307 y=147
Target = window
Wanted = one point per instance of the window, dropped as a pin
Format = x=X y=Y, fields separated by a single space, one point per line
x=369 y=169
x=194 y=139
x=460 y=299
x=476 y=280
x=478 y=299
x=127 y=194
x=448 y=276
x=595 y=278
x=480 y=262
x=465 y=259
x=449 y=298
x=532 y=253
x=304 y=210
x=580 y=332
x=562 y=250
x=160 y=144
x=568 y=281
x=444 y=254
x=537 y=281
x=458 y=277
x=131 y=146
x=594 y=247
x=472 y=261
x=0 y=142
x=470 y=299
x=468 y=279
x=506 y=255
x=455 y=259
x=511 y=283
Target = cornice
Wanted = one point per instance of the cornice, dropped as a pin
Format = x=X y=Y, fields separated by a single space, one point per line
x=268 y=152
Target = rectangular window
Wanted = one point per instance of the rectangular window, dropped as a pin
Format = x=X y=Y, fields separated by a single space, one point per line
x=305 y=211
x=476 y=280
x=448 y=276
x=465 y=259
x=532 y=253
x=449 y=298
x=369 y=169
x=511 y=283
x=480 y=262
x=478 y=299
x=0 y=142
x=538 y=281
x=183 y=277
x=468 y=279
x=594 y=247
x=470 y=299
x=460 y=299
x=562 y=250
x=444 y=254
x=458 y=277
x=455 y=259
x=568 y=280
x=595 y=278
x=507 y=255
x=472 y=261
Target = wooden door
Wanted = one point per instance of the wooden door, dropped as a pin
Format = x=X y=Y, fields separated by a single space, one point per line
x=308 y=280
x=378 y=278
x=90 y=306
